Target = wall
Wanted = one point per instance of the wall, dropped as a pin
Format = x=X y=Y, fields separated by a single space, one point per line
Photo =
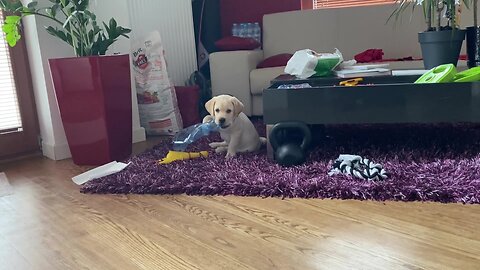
x=238 y=11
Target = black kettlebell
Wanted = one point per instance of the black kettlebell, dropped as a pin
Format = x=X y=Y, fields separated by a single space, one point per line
x=287 y=150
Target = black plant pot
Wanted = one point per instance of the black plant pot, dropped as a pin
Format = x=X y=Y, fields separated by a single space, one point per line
x=473 y=46
x=441 y=47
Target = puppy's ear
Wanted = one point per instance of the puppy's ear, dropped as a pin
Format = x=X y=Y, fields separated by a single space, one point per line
x=237 y=105
x=210 y=106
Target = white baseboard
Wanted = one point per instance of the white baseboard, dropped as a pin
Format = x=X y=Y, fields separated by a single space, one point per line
x=59 y=152
x=139 y=135
x=56 y=152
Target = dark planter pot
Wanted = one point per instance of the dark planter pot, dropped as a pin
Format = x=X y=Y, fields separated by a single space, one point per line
x=442 y=47
x=473 y=46
x=95 y=101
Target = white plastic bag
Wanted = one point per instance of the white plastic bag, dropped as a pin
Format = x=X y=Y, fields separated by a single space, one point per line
x=306 y=63
x=157 y=101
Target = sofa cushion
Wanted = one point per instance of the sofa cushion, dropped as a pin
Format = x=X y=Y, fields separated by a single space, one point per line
x=279 y=60
x=236 y=43
x=260 y=78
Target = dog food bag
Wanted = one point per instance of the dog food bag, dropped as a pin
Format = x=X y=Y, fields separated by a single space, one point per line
x=157 y=101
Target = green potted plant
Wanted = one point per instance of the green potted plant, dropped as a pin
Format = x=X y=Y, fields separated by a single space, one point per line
x=442 y=39
x=93 y=90
x=473 y=39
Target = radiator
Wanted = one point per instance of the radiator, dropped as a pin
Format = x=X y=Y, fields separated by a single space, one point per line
x=174 y=20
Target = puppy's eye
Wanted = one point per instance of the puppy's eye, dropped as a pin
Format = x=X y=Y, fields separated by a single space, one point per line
x=229 y=111
x=217 y=110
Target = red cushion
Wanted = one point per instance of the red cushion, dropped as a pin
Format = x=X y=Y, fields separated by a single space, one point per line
x=188 y=100
x=278 y=60
x=236 y=43
x=370 y=55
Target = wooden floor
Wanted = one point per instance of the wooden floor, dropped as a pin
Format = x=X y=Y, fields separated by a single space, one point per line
x=48 y=224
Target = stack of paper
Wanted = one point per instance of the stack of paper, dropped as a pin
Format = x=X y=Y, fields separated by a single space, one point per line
x=363 y=71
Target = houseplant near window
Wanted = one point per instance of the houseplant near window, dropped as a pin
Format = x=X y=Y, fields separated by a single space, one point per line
x=473 y=39
x=441 y=42
x=93 y=90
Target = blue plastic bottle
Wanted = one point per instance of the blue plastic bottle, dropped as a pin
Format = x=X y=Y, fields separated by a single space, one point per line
x=257 y=32
x=243 y=30
x=236 y=30
x=191 y=134
x=250 y=30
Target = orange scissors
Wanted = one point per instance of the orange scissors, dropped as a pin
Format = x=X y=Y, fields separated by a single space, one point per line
x=351 y=82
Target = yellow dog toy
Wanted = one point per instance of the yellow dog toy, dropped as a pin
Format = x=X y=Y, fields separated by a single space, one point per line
x=351 y=82
x=176 y=155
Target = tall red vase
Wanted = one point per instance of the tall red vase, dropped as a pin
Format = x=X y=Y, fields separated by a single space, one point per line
x=95 y=102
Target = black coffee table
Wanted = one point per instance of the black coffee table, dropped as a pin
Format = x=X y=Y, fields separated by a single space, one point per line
x=378 y=100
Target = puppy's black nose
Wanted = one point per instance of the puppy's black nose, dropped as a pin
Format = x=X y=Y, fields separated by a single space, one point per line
x=221 y=120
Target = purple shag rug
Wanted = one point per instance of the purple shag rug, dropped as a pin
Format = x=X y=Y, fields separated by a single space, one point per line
x=425 y=162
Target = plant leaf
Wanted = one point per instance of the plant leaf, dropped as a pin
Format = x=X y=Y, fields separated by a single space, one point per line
x=11 y=29
x=79 y=28
x=13 y=19
x=8 y=28
x=65 y=3
x=113 y=23
x=12 y=38
x=52 y=11
x=11 y=6
x=83 y=5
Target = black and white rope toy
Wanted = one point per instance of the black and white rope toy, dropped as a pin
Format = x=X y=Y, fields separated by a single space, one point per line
x=357 y=166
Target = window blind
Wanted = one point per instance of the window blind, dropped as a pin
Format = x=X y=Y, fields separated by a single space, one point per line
x=10 y=119
x=317 y=4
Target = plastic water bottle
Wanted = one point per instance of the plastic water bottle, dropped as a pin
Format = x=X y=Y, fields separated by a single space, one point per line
x=250 y=30
x=257 y=32
x=243 y=30
x=191 y=134
x=235 y=30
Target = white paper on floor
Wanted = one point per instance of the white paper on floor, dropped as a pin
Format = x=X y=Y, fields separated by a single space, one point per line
x=5 y=187
x=104 y=170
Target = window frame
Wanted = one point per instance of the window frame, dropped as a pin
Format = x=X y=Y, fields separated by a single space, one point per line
x=352 y=3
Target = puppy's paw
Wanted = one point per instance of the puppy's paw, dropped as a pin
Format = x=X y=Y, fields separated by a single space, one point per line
x=207 y=119
x=230 y=155
x=220 y=149
x=263 y=140
x=217 y=144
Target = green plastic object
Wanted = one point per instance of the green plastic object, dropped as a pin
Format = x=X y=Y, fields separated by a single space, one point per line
x=469 y=75
x=440 y=74
x=325 y=66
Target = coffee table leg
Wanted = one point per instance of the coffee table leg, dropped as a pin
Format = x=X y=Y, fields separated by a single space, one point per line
x=269 y=146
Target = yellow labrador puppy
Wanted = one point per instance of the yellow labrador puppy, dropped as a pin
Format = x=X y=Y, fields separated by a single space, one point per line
x=236 y=129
